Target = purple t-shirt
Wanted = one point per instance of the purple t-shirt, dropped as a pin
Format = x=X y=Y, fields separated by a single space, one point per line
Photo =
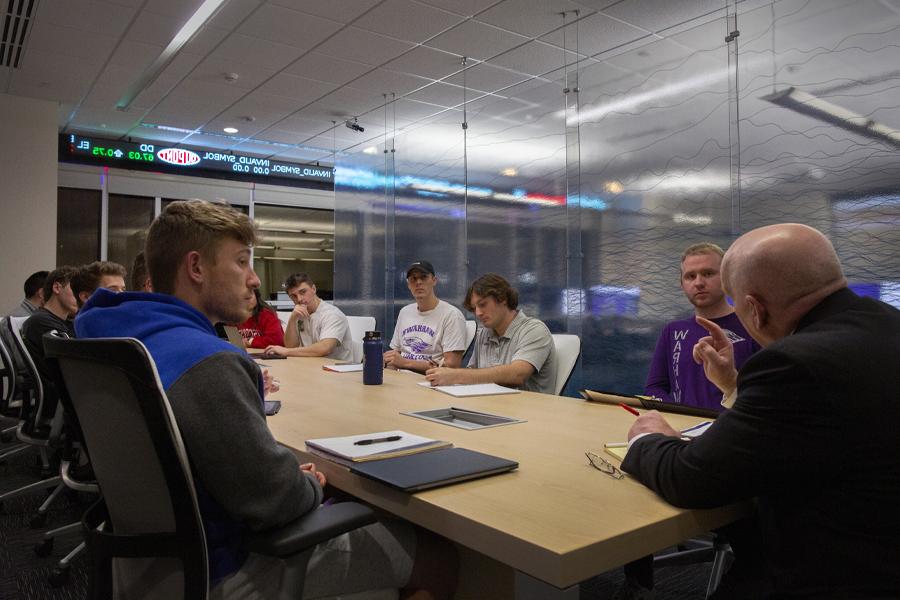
x=675 y=377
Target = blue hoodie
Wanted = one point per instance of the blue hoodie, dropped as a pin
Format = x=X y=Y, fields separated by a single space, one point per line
x=178 y=337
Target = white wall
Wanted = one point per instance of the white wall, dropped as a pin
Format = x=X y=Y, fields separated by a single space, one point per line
x=28 y=165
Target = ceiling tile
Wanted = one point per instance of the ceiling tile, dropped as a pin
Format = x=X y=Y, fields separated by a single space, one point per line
x=327 y=68
x=233 y=13
x=94 y=17
x=178 y=9
x=254 y=51
x=286 y=26
x=300 y=90
x=345 y=103
x=205 y=41
x=652 y=15
x=72 y=41
x=442 y=94
x=103 y=120
x=487 y=77
x=214 y=69
x=135 y=55
x=175 y=116
x=426 y=62
x=303 y=155
x=197 y=98
x=409 y=111
x=466 y=8
x=407 y=20
x=343 y=11
x=286 y=137
x=363 y=46
x=299 y=125
x=156 y=29
x=476 y=40
x=596 y=33
x=534 y=58
x=531 y=18
x=382 y=81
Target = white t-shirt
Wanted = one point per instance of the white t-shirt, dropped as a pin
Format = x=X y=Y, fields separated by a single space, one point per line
x=327 y=322
x=423 y=335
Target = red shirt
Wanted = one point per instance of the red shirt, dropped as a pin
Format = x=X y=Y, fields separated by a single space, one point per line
x=265 y=330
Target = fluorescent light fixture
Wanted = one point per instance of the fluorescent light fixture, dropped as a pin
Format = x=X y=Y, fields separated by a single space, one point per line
x=279 y=258
x=203 y=14
x=509 y=172
x=685 y=219
x=230 y=130
x=813 y=106
x=370 y=150
x=315 y=259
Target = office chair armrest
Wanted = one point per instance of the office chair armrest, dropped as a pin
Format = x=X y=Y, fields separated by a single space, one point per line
x=312 y=528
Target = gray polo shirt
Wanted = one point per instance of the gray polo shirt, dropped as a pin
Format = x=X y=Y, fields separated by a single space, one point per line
x=526 y=339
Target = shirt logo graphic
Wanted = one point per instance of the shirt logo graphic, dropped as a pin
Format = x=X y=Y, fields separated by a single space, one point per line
x=416 y=344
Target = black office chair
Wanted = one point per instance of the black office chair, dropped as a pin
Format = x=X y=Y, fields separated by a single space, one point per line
x=10 y=406
x=33 y=429
x=149 y=514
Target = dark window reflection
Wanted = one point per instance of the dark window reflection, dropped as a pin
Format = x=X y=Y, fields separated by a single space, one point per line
x=129 y=218
x=77 y=226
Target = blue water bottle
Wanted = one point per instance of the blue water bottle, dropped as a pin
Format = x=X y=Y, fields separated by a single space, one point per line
x=373 y=358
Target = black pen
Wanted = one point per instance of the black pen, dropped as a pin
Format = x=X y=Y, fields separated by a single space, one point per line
x=390 y=438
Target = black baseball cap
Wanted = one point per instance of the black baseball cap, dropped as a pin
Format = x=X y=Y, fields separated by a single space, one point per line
x=420 y=265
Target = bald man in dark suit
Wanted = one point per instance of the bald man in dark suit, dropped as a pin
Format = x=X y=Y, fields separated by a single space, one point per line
x=813 y=431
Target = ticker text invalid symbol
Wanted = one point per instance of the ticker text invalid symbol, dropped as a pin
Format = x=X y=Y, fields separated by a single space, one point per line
x=84 y=145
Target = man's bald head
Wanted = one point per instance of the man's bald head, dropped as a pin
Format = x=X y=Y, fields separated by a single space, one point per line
x=787 y=269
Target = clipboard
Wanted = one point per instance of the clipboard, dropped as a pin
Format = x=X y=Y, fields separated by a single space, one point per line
x=647 y=403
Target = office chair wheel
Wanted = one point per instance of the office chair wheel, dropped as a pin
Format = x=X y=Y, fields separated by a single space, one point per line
x=38 y=520
x=58 y=576
x=44 y=548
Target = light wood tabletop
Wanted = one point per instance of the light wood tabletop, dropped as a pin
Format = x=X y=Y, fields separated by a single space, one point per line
x=556 y=518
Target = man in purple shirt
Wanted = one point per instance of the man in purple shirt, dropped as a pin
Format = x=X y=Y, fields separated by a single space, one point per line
x=674 y=376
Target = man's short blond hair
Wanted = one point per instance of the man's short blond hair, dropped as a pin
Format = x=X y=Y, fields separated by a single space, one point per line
x=702 y=248
x=191 y=225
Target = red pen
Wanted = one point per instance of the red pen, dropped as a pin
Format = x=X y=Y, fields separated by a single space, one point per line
x=629 y=409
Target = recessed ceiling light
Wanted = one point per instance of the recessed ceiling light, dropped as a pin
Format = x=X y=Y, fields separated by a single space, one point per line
x=230 y=130
x=613 y=187
x=509 y=172
x=370 y=150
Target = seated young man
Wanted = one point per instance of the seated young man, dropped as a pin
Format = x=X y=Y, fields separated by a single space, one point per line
x=429 y=332
x=511 y=348
x=198 y=254
x=56 y=314
x=98 y=274
x=315 y=327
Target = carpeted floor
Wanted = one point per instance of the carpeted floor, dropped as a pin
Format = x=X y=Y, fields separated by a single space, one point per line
x=24 y=576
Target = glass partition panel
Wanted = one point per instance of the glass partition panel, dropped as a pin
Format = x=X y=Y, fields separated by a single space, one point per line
x=429 y=210
x=818 y=94
x=655 y=175
x=359 y=223
x=294 y=240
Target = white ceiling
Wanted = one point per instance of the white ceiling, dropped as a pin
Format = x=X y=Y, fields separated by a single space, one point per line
x=305 y=65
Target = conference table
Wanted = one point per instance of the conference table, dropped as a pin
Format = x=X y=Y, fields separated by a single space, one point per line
x=555 y=521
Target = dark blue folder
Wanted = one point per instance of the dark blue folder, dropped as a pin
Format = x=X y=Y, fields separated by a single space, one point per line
x=436 y=468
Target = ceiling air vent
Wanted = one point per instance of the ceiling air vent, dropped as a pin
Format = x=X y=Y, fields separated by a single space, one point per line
x=15 y=21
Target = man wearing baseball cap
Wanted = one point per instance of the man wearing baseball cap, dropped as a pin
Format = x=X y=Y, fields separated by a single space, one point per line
x=430 y=332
